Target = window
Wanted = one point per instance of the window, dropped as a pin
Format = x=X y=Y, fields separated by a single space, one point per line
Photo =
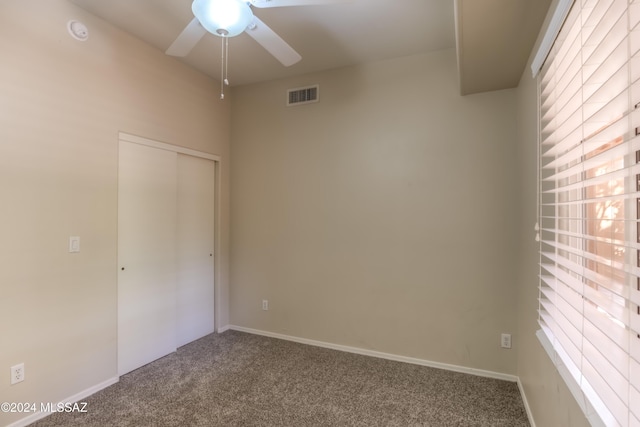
x=589 y=95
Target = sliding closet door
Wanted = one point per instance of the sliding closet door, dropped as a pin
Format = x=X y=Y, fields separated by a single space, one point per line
x=196 y=191
x=147 y=241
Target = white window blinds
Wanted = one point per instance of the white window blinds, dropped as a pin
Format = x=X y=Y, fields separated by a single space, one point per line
x=589 y=93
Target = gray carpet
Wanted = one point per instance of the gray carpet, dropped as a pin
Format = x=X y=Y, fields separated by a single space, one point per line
x=239 y=379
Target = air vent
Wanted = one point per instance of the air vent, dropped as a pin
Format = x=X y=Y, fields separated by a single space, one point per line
x=303 y=95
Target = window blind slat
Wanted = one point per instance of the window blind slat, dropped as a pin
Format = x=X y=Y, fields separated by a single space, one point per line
x=635 y=323
x=570 y=134
x=614 y=332
x=617 y=382
x=559 y=52
x=616 y=290
x=598 y=238
x=610 y=356
x=599 y=93
x=596 y=201
x=606 y=115
x=634 y=16
x=606 y=136
x=569 y=313
x=607 y=35
x=572 y=353
x=600 y=179
x=566 y=333
x=635 y=297
x=634 y=374
x=569 y=131
x=609 y=320
x=553 y=118
x=597 y=28
x=634 y=352
x=614 y=405
x=634 y=405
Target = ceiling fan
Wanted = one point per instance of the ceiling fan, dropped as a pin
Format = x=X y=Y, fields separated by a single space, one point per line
x=229 y=18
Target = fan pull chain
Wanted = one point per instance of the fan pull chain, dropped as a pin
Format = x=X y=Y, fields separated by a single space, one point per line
x=222 y=69
x=224 y=66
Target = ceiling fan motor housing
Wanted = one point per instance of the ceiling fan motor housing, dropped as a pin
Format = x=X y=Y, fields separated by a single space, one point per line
x=223 y=18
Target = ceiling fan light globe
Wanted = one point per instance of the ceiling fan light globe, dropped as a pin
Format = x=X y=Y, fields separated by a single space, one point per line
x=223 y=18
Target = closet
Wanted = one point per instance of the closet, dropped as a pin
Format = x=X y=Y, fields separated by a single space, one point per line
x=166 y=234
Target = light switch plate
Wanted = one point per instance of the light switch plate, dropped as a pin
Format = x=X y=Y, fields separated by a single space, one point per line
x=505 y=340
x=74 y=244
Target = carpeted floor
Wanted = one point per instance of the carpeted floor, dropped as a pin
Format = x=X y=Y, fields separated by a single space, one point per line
x=239 y=379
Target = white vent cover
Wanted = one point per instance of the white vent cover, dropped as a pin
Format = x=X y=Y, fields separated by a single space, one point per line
x=303 y=95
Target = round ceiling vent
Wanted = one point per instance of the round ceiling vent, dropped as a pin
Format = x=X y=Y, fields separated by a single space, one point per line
x=78 y=30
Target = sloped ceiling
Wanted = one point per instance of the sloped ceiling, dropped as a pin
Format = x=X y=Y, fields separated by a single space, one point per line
x=493 y=37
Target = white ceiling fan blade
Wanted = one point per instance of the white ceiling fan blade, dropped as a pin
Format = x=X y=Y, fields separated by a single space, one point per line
x=281 y=3
x=187 y=39
x=273 y=43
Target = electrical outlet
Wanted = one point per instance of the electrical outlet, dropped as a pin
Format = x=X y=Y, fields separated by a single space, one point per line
x=17 y=373
x=74 y=244
x=265 y=304
x=505 y=341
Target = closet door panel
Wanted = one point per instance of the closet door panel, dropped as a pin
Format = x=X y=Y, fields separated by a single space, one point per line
x=147 y=240
x=196 y=204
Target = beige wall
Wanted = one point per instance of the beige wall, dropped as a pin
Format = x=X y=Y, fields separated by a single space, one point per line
x=62 y=103
x=381 y=217
x=550 y=401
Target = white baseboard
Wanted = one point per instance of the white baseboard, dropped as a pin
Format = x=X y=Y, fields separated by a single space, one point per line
x=223 y=329
x=526 y=404
x=73 y=399
x=380 y=355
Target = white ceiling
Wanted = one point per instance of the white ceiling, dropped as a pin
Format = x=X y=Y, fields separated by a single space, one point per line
x=498 y=35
